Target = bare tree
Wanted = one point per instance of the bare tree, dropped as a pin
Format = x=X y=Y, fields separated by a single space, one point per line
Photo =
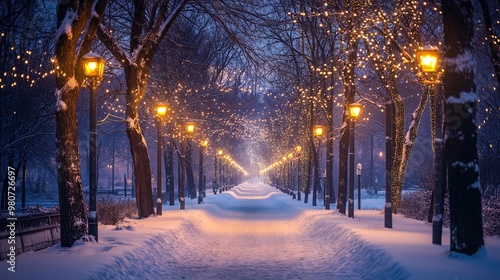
x=77 y=23
x=149 y=23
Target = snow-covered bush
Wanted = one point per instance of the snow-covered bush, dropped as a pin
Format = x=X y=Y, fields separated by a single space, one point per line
x=416 y=205
x=113 y=209
x=491 y=211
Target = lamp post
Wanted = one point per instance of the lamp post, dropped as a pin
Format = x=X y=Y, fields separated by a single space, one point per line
x=290 y=175
x=428 y=61
x=221 y=181
x=298 y=149
x=358 y=172
x=389 y=136
x=93 y=69
x=354 y=111
x=188 y=133
x=161 y=111
x=318 y=134
x=216 y=175
x=201 y=191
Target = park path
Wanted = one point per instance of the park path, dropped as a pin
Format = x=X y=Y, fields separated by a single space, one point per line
x=254 y=232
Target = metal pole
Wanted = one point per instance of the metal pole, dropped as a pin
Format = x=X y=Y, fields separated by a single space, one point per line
x=182 y=198
x=439 y=179
x=359 y=189
x=93 y=221
x=216 y=176
x=298 y=179
x=350 y=209
x=200 y=177
x=388 y=164
x=113 y=170
x=158 y=171
x=125 y=184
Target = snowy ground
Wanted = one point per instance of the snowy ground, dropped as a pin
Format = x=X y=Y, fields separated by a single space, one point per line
x=256 y=232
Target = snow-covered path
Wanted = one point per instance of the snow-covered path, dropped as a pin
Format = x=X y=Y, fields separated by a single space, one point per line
x=253 y=232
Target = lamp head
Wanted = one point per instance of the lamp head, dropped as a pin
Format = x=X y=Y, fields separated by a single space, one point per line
x=318 y=131
x=190 y=127
x=355 y=109
x=428 y=59
x=204 y=143
x=161 y=110
x=93 y=65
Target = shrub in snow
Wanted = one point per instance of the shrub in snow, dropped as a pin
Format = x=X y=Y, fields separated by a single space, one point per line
x=491 y=211
x=112 y=209
x=416 y=205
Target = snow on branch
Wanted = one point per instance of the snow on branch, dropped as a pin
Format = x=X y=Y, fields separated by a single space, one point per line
x=465 y=97
x=464 y=62
x=65 y=26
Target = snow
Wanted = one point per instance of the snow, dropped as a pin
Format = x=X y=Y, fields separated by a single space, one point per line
x=464 y=62
x=65 y=27
x=131 y=123
x=255 y=232
x=465 y=97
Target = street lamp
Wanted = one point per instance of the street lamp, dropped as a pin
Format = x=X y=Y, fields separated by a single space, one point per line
x=428 y=62
x=318 y=133
x=354 y=111
x=201 y=187
x=298 y=149
x=290 y=177
x=358 y=172
x=188 y=134
x=161 y=111
x=93 y=69
x=220 y=154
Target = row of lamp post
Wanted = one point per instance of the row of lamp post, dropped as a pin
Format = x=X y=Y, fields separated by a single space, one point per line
x=354 y=112
x=226 y=172
x=284 y=174
x=428 y=61
x=186 y=135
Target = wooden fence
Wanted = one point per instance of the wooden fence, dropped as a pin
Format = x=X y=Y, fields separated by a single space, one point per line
x=31 y=234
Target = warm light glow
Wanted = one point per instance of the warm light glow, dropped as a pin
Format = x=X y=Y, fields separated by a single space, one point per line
x=219 y=152
x=298 y=149
x=428 y=60
x=318 y=130
x=204 y=143
x=190 y=127
x=93 y=65
x=355 y=110
x=161 y=109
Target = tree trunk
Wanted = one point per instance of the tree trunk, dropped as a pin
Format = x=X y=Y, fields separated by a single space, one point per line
x=460 y=131
x=343 y=159
x=316 y=173
x=71 y=205
x=168 y=157
x=136 y=83
x=189 y=171
x=398 y=143
x=82 y=21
